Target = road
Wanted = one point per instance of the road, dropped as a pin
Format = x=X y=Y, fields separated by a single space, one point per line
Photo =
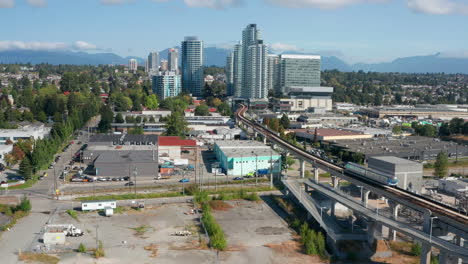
x=23 y=234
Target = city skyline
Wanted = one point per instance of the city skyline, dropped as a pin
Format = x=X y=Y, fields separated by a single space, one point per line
x=355 y=31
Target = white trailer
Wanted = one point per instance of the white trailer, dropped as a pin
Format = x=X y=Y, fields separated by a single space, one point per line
x=98 y=205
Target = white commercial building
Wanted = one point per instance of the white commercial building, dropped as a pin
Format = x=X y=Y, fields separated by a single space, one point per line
x=25 y=132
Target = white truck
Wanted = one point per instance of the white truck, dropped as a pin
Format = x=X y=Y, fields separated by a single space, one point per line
x=67 y=229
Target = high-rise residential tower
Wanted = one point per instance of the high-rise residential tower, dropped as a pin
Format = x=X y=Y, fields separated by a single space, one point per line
x=167 y=84
x=173 y=60
x=273 y=73
x=238 y=70
x=192 y=66
x=230 y=74
x=153 y=62
x=164 y=65
x=250 y=69
x=132 y=65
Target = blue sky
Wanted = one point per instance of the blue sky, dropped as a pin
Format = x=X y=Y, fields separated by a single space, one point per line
x=354 y=30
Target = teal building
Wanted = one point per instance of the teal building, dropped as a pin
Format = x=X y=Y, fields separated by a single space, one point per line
x=244 y=157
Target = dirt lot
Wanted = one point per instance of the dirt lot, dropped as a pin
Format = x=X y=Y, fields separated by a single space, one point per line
x=139 y=236
x=256 y=234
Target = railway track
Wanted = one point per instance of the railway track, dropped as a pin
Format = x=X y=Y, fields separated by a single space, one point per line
x=422 y=201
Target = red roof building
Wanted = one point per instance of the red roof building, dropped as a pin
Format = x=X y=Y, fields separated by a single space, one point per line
x=176 y=141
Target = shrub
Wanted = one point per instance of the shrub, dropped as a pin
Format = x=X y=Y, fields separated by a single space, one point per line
x=416 y=249
x=73 y=214
x=82 y=248
x=25 y=205
x=99 y=252
x=216 y=234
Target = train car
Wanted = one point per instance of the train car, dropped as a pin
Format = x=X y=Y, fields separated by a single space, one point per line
x=371 y=174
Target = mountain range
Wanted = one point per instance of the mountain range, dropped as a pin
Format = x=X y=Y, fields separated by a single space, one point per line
x=217 y=57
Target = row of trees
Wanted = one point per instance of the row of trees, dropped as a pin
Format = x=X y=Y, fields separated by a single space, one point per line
x=42 y=154
x=456 y=126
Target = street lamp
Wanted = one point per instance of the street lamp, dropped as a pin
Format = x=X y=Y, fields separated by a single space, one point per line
x=430 y=229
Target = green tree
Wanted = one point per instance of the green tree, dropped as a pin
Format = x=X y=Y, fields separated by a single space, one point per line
x=441 y=165
x=25 y=205
x=107 y=116
x=397 y=130
x=151 y=102
x=202 y=110
x=136 y=130
x=224 y=109
x=42 y=117
x=285 y=121
x=26 y=169
x=119 y=118
x=176 y=125
x=58 y=117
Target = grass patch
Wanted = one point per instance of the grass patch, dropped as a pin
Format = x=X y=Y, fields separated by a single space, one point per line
x=219 y=205
x=120 y=210
x=73 y=214
x=131 y=196
x=140 y=231
x=217 y=238
x=27 y=184
x=15 y=212
x=38 y=258
x=82 y=248
x=325 y=175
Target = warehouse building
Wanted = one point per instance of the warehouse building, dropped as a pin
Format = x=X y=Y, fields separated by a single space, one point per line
x=131 y=164
x=413 y=147
x=243 y=157
x=328 y=134
x=409 y=173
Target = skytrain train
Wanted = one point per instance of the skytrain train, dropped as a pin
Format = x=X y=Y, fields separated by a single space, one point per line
x=371 y=174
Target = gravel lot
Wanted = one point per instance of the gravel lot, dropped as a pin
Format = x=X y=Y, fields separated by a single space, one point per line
x=256 y=234
x=123 y=244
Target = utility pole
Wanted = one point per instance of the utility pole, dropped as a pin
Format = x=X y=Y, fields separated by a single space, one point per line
x=242 y=170
x=55 y=183
x=256 y=169
x=271 y=169
x=135 y=172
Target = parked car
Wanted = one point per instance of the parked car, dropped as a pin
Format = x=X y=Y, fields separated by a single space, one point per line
x=184 y=180
x=77 y=179
x=126 y=178
x=238 y=178
x=129 y=183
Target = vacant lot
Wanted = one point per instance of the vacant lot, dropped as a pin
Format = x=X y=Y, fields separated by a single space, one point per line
x=134 y=236
x=256 y=234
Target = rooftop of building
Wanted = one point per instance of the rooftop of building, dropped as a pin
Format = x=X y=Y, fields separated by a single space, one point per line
x=328 y=132
x=377 y=146
x=245 y=148
x=143 y=139
x=395 y=160
x=176 y=141
x=128 y=157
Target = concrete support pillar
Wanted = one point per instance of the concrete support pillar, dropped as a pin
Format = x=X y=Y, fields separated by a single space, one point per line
x=335 y=182
x=316 y=174
x=443 y=257
x=255 y=134
x=426 y=254
x=460 y=241
x=427 y=221
x=365 y=197
x=302 y=164
x=264 y=140
x=332 y=208
x=391 y=232
x=306 y=188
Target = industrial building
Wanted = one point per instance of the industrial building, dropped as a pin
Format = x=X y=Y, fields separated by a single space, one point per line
x=328 y=134
x=413 y=147
x=128 y=163
x=409 y=173
x=453 y=186
x=242 y=157
x=420 y=111
x=171 y=147
x=327 y=120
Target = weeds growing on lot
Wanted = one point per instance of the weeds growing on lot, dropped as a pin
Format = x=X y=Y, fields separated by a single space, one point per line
x=38 y=258
x=73 y=214
x=141 y=230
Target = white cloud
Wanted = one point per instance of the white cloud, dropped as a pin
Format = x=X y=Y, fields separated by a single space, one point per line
x=282 y=47
x=438 y=7
x=215 y=4
x=7 y=3
x=82 y=45
x=322 y=4
x=37 y=3
x=35 y=45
